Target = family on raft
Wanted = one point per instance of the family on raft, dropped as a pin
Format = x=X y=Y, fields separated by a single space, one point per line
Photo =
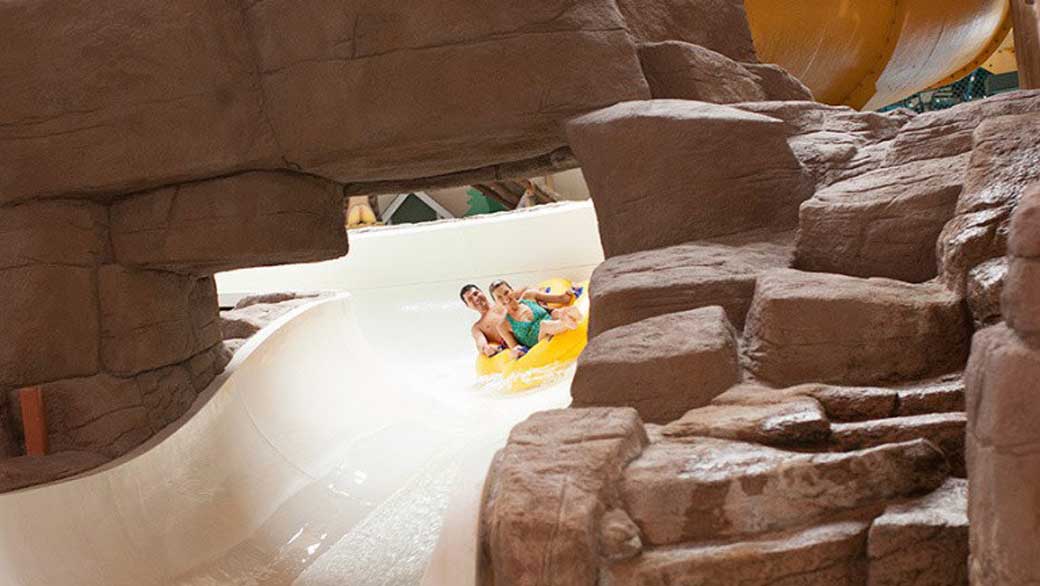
x=519 y=318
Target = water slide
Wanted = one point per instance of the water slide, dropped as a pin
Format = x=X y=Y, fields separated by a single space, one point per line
x=871 y=53
x=346 y=443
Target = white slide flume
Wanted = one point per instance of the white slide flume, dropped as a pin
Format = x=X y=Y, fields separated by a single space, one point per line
x=346 y=443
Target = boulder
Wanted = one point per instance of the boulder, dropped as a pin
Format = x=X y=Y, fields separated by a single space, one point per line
x=550 y=492
x=25 y=471
x=633 y=287
x=152 y=319
x=684 y=71
x=806 y=327
x=838 y=403
x=1003 y=457
x=923 y=542
x=708 y=489
x=856 y=403
x=249 y=220
x=944 y=430
x=1025 y=225
x=719 y=25
x=825 y=555
x=835 y=142
x=940 y=397
x=883 y=223
x=798 y=421
x=1004 y=162
x=984 y=287
x=778 y=83
x=948 y=133
x=1021 y=295
x=686 y=192
x=663 y=366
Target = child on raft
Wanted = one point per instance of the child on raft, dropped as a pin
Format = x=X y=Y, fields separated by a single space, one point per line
x=526 y=321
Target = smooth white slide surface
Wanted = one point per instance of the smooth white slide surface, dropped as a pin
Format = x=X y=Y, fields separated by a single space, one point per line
x=346 y=444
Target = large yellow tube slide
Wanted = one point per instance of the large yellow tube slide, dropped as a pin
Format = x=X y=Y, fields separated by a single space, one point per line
x=870 y=53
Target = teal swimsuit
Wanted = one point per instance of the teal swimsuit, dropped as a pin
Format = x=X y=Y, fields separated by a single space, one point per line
x=526 y=332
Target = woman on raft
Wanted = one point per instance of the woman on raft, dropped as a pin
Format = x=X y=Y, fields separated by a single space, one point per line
x=527 y=322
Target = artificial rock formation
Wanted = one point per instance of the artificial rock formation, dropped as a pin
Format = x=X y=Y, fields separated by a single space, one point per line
x=640 y=285
x=923 y=542
x=184 y=139
x=251 y=314
x=1003 y=443
x=113 y=308
x=586 y=500
x=663 y=366
x=704 y=197
x=856 y=331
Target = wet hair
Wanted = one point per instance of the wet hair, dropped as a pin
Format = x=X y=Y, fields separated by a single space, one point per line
x=496 y=284
x=466 y=289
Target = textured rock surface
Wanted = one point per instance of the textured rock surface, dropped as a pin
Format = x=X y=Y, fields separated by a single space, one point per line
x=720 y=25
x=633 y=287
x=838 y=403
x=252 y=314
x=923 y=542
x=877 y=330
x=152 y=319
x=248 y=220
x=1003 y=458
x=688 y=192
x=663 y=366
x=684 y=71
x=835 y=143
x=945 y=430
x=1005 y=160
x=26 y=471
x=1003 y=442
x=948 y=133
x=112 y=415
x=883 y=223
x=931 y=398
x=798 y=421
x=828 y=555
x=708 y=488
x=247 y=97
x=550 y=487
x=984 y=287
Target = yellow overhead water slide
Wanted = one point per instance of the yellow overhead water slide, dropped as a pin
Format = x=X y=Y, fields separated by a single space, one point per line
x=871 y=53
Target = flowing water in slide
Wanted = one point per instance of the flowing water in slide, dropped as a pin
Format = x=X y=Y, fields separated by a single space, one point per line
x=346 y=444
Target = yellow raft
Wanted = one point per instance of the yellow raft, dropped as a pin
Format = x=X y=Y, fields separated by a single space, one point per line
x=534 y=368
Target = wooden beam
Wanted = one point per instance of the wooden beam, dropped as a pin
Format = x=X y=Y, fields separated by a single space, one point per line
x=1026 y=14
x=34 y=421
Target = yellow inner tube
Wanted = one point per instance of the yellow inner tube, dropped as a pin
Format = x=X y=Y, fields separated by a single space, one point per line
x=530 y=370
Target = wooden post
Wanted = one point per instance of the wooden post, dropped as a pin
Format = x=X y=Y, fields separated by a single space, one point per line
x=1026 y=15
x=34 y=421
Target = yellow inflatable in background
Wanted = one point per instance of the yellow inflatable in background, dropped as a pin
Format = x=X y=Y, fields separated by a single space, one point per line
x=533 y=368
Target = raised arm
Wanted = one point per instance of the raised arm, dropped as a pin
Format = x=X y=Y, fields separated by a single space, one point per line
x=543 y=297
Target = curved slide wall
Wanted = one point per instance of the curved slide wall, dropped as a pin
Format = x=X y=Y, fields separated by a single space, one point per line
x=346 y=444
x=871 y=53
